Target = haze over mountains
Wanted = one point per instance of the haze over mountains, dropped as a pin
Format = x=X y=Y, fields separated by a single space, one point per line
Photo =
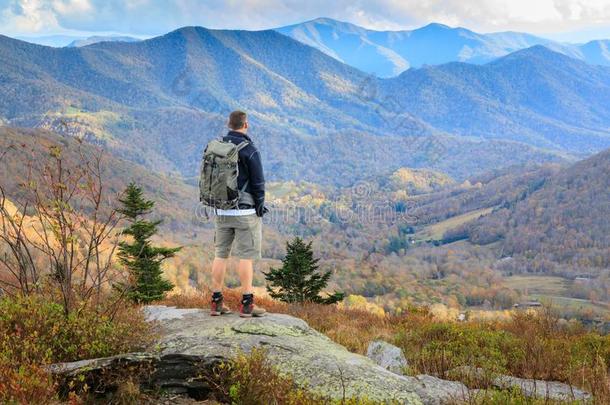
x=389 y=53
x=158 y=101
x=60 y=41
x=101 y=38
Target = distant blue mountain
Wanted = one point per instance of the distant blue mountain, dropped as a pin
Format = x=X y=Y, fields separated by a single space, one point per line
x=388 y=53
x=56 y=41
x=596 y=52
x=60 y=41
x=100 y=38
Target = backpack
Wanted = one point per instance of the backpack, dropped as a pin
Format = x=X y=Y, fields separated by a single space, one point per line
x=218 y=180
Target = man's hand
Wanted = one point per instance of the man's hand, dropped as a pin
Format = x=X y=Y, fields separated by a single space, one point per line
x=261 y=210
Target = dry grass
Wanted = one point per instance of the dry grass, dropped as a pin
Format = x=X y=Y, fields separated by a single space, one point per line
x=352 y=328
x=528 y=345
x=437 y=231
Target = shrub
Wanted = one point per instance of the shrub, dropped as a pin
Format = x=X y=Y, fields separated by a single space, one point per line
x=35 y=332
x=513 y=396
x=240 y=382
x=439 y=347
x=24 y=384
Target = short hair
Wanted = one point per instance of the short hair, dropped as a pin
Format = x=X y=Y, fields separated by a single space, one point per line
x=237 y=119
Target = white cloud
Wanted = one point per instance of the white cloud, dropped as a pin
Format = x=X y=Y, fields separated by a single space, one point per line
x=27 y=16
x=157 y=16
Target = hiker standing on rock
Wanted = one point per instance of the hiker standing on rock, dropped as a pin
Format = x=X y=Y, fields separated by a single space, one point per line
x=232 y=182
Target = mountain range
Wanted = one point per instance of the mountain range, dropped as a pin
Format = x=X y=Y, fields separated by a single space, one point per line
x=535 y=96
x=389 y=53
x=157 y=102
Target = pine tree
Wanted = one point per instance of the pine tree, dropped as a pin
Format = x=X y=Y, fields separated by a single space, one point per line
x=298 y=280
x=138 y=255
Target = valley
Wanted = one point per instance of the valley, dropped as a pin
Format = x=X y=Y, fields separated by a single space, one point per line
x=397 y=260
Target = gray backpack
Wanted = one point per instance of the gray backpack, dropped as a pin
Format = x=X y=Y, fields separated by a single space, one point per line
x=218 y=180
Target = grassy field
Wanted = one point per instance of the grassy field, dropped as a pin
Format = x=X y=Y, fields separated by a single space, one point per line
x=538 y=285
x=436 y=231
x=553 y=291
x=572 y=304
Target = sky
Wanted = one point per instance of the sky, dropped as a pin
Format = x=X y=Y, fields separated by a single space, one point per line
x=566 y=20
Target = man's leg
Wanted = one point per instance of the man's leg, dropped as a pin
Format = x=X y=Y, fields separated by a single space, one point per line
x=248 y=248
x=246 y=271
x=219 y=268
x=223 y=239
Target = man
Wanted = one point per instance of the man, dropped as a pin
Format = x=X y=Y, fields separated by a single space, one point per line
x=242 y=225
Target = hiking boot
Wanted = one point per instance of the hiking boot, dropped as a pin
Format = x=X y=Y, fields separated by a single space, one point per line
x=218 y=307
x=249 y=310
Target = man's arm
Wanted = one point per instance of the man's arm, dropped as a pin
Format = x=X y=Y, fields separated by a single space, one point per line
x=257 y=181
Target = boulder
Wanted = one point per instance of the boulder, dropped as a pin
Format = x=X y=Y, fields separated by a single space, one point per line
x=552 y=390
x=434 y=390
x=547 y=390
x=191 y=343
x=387 y=356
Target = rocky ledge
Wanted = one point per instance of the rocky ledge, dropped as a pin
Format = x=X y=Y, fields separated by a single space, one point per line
x=191 y=341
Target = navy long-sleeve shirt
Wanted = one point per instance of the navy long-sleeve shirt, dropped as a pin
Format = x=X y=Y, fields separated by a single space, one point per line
x=250 y=167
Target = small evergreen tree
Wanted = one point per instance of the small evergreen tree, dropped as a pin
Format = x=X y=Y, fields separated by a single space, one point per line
x=298 y=280
x=138 y=255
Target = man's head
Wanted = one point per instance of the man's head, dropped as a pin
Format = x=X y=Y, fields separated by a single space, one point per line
x=238 y=121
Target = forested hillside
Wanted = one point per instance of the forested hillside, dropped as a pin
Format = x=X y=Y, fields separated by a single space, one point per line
x=559 y=227
x=24 y=149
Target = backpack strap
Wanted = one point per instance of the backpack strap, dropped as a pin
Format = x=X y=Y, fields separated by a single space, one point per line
x=244 y=196
x=242 y=145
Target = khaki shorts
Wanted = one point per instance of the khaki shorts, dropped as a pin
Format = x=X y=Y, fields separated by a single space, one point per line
x=245 y=230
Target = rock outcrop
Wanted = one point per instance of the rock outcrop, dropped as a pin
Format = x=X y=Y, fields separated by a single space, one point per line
x=190 y=341
x=311 y=358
